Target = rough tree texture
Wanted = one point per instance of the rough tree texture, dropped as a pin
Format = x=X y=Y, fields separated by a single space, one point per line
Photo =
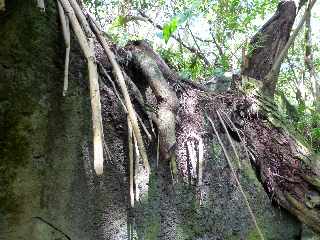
x=266 y=45
x=48 y=186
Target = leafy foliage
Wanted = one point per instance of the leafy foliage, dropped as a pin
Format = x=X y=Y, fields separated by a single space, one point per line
x=309 y=126
x=169 y=28
x=188 y=65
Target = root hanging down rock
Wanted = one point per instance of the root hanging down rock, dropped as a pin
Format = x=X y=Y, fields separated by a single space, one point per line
x=121 y=82
x=167 y=105
x=87 y=46
x=66 y=35
x=131 y=163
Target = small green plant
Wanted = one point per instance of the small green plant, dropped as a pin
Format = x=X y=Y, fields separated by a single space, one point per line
x=188 y=65
x=308 y=125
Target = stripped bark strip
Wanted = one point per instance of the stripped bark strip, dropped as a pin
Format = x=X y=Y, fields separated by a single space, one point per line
x=230 y=139
x=88 y=50
x=131 y=163
x=66 y=35
x=120 y=79
x=192 y=157
x=236 y=179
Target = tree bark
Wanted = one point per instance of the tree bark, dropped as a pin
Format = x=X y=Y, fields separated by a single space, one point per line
x=266 y=45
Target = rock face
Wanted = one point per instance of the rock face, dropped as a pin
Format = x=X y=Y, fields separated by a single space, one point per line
x=48 y=188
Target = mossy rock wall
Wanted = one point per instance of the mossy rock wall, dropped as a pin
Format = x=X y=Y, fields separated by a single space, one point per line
x=41 y=132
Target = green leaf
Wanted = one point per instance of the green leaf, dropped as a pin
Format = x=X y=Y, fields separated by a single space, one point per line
x=316 y=133
x=169 y=28
x=119 y=21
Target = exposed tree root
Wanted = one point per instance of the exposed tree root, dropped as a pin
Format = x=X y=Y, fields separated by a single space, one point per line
x=120 y=79
x=123 y=105
x=87 y=45
x=169 y=74
x=131 y=163
x=229 y=138
x=66 y=35
x=167 y=104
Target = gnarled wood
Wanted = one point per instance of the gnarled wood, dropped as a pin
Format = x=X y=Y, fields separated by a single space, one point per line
x=166 y=99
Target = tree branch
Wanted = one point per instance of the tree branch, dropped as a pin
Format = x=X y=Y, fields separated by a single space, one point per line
x=191 y=49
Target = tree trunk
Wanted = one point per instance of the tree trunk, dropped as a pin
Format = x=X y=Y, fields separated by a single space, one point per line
x=267 y=44
x=48 y=186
